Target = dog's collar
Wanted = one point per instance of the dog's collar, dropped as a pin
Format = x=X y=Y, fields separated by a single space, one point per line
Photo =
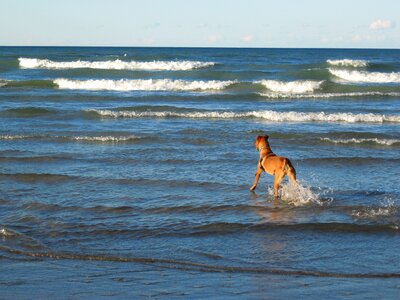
x=261 y=148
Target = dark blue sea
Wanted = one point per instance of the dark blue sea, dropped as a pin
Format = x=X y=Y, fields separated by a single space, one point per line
x=125 y=173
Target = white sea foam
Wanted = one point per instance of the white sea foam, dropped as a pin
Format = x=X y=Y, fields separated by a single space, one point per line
x=142 y=85
x=13 y=137
x=182 y=65
x=387 y=209
x=363 y=76
x=268 y=115
x=299 y=195
x=348 y=62
x=103 y=139
x=330 y=95
x=292 y=87
x=385 y=142
x=6 y=232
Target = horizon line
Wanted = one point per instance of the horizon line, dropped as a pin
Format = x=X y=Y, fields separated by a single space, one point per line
x=196 y=47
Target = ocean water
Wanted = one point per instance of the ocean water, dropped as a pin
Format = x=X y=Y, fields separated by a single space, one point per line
x=125 y=172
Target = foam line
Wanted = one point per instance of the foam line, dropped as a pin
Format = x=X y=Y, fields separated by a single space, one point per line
x=384 y=142
x=180 y=65
x=292 y=87
x=367 y=77
x=357 y=63
x=330 y=95
x=268 y=115
x=142 y=85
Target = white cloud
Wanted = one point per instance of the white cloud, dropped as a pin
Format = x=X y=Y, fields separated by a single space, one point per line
x=381 y=24
x=247 y=38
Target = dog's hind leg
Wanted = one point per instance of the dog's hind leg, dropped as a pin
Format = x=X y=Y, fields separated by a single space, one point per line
x=292 y=177
x=279 y=175
x=290 y=172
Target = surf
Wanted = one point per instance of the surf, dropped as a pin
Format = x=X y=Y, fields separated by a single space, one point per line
x=329 y=95
x=142 y=84
x=357 y=63
x=268 y=115
x=366 y=141
x=292 y=87
x=178 y=65
x=366 y=77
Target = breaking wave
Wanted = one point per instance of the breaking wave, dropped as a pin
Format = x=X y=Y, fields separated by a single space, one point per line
x=142 y=85
x=357 y=63
x=3 y=82
x=99 y=139
x=292 y=87
x=385 y=142
x=269 y=115
x=367 y=77
x=183 y=65
x=330 y=95
x=14 y=137
x=104 y=139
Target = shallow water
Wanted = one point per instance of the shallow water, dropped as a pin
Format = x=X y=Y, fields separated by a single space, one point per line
x=130 y=177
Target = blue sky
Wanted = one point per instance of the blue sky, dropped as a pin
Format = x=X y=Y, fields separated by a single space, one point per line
x=206 y=23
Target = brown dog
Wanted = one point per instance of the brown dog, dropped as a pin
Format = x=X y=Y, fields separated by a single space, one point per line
x=272 y=164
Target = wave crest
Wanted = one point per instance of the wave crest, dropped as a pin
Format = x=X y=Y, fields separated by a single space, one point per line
x=103 y=139
x=182 y=65
x=367 y=77
x=100 y=139
x=268 y=115
x=292 y=87
x=3 y=82
x=14 y=137
x=357 y=63
x=142 y=85
x=329 y=95
x=385 y=142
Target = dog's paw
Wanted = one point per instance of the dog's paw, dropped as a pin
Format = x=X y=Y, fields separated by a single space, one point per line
x=253 y=188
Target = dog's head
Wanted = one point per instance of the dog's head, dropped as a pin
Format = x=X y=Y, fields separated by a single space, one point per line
x=261 y=141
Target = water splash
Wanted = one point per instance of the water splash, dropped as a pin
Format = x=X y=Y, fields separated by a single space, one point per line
x=300 y=195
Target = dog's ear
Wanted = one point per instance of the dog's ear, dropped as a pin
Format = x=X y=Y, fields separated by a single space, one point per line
x=266 y=137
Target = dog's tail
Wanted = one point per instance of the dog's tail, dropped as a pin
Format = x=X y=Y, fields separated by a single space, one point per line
x=289 y=170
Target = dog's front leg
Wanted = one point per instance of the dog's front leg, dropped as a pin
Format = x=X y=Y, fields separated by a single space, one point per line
x=258 y=173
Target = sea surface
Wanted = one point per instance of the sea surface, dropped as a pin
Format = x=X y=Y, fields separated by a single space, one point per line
x=125 y=173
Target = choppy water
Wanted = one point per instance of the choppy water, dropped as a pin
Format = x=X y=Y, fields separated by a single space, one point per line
x=126 y=172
